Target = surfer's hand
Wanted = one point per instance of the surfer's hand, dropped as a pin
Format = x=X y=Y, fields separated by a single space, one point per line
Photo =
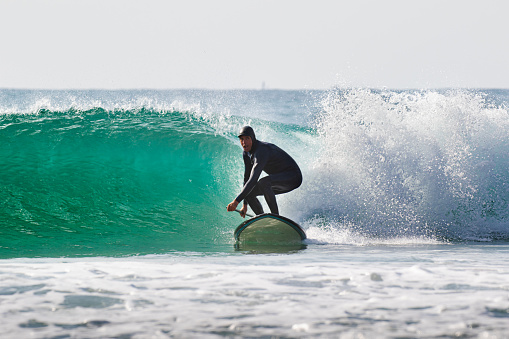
x=243 y=211
x=232 y=206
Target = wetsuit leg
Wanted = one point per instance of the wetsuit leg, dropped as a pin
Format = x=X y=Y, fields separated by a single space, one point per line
x=285 y=182
x=270 y=186
x=253 y=202
x=265 y=186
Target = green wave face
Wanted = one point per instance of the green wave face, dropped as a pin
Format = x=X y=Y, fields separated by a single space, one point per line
x=102 y=183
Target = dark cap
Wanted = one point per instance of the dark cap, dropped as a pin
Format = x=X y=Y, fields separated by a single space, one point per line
x=247 y=131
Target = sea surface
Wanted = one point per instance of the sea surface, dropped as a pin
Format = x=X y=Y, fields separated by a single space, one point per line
x=113 y=219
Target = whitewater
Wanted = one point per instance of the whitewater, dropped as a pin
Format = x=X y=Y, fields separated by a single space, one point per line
x=113 y=219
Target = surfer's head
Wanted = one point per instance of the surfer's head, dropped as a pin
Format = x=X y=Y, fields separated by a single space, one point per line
x=247 y=138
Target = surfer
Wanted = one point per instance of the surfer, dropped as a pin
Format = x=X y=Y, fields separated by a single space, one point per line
x=284 y=174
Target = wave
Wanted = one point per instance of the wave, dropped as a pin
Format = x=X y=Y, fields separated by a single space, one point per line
x=136 y=174
x=97 y=182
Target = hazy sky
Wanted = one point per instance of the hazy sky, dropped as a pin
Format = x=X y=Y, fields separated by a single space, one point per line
x=242 y=44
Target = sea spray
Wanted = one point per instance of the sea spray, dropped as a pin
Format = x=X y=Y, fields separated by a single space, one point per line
x=412 y=163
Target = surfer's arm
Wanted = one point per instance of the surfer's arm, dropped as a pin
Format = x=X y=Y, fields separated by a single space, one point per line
x=247 y=172
x=247 y=167
x=256 y=171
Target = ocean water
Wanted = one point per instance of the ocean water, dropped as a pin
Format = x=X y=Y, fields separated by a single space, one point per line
x=113 y=219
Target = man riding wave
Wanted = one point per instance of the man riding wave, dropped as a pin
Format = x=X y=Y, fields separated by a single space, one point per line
x=284 y=174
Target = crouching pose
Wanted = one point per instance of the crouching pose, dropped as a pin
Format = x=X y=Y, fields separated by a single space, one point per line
x=284 y=174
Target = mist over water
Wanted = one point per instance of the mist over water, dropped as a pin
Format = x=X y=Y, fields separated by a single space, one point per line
x=137 y=172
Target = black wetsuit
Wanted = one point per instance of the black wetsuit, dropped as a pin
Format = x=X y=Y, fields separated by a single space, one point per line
x=284 y=175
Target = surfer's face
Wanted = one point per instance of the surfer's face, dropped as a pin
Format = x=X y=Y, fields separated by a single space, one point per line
x=246 y=142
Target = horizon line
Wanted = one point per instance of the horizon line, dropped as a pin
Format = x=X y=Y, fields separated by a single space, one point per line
x=248 y=89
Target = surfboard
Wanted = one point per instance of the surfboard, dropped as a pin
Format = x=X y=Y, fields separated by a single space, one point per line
x=269 y=228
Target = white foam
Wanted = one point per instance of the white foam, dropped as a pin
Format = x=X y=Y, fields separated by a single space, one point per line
x=409 y=162
x=387 y=291
x=323 y=232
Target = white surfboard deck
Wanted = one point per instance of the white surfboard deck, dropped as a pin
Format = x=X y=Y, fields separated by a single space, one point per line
x=269 y=228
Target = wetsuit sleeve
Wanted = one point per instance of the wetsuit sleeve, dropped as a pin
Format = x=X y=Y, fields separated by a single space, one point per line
x=260 y=160
x=247 y=168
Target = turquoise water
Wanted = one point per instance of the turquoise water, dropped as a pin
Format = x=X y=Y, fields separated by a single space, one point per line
x=112 y=176
x=90 y=173
x=113 y=217
x=101 y=183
